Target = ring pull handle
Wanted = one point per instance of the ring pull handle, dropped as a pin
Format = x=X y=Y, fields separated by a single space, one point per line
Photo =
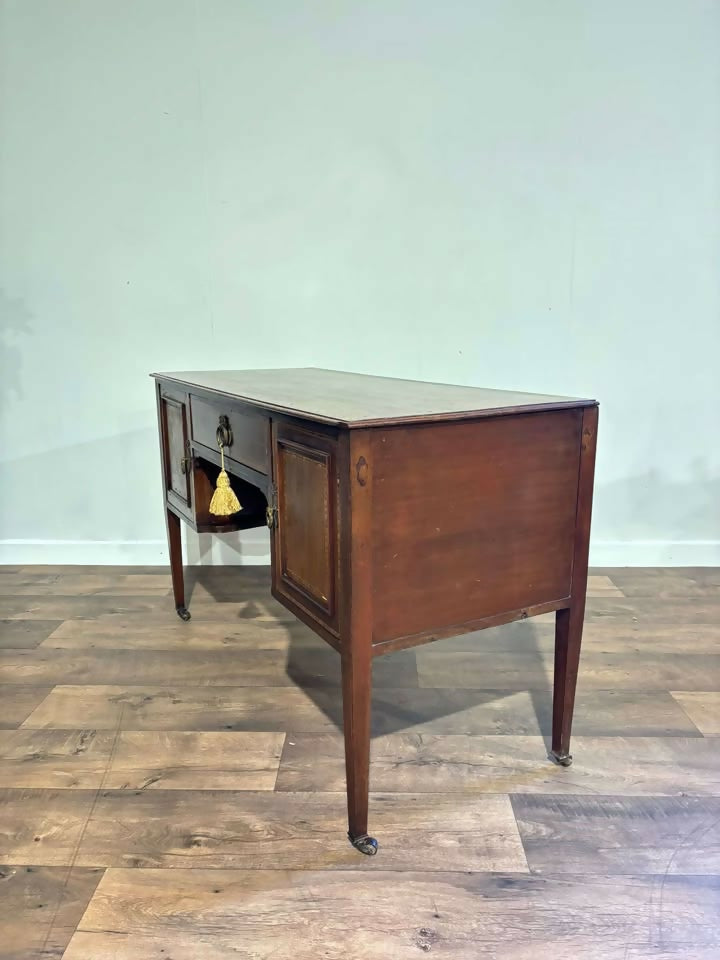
x=223 y=434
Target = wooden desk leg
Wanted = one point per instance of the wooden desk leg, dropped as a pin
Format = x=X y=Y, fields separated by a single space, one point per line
x=356 y=685
x=568 y=634
x=356 y=650
x=176 y=564
x=569 y=622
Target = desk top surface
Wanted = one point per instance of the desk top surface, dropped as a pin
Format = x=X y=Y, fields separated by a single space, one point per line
x=359 y=400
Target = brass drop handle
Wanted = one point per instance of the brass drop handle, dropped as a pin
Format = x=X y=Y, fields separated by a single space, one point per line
x=186 y=461
x=223 y=434
x=271 y=511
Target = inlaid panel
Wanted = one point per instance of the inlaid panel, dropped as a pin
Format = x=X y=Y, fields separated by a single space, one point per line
x=175 y=447
x=305 y=537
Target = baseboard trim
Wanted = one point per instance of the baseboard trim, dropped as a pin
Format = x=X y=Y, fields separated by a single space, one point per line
x=253 y=548
x=199 y=550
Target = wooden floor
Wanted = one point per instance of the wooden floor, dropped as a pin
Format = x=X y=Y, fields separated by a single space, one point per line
x=175 y=791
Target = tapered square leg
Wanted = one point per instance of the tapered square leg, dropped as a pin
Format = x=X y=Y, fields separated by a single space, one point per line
x=569 y=622
x=356 y=684
x=568 y=634
x=176 y=564
x=356 y=650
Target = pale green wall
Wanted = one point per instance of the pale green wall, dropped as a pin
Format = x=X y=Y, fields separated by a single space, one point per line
x=520 y=195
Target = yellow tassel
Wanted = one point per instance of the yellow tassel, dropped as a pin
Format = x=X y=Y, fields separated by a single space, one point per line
x=224 y=502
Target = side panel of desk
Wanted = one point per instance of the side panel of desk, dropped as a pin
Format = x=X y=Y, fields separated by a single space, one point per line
x=472 y=523
x=174 y=430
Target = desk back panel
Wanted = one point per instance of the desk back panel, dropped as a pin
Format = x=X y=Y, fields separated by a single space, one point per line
x=471 y=520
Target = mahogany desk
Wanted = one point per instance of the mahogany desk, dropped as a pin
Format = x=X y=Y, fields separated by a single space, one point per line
x=400 y=512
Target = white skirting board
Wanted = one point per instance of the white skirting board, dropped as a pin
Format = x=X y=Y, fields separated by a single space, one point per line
x=253 y=547
x=249 y=547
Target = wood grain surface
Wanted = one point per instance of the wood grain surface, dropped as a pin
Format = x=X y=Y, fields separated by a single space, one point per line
x=40 y=908
x=506 y=539
x=356 y=399
x=172 y=790
x=703 y=708
x=451 y=914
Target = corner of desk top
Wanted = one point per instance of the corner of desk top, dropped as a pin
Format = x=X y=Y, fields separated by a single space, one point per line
x=465 y=415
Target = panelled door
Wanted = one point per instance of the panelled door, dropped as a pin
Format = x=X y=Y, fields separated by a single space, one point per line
x=305 y=536
x=177 y=462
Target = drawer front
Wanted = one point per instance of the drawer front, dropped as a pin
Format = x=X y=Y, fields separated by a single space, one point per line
x=249 y=432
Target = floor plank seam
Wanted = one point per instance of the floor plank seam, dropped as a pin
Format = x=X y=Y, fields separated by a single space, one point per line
x=76 y=850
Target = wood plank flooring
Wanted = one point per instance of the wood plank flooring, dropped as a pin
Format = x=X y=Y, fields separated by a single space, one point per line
x=174 y=791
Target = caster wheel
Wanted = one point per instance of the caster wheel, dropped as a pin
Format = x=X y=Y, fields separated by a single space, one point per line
x=562 y=759
x=365 y=844
x=183 y=613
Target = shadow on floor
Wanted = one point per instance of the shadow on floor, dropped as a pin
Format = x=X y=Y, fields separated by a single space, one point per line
x=492 y=681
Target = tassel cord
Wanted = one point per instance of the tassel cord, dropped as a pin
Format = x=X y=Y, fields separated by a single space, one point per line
x=224 y=502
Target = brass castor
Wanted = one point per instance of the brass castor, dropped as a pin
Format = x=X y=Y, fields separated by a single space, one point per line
x=364 y=843
x=183 y=613
x=562 y=759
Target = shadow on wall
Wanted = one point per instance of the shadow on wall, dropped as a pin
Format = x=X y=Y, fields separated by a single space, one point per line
x=648 y=506
x=14 y=323
x=102 y=489
x=106 y=492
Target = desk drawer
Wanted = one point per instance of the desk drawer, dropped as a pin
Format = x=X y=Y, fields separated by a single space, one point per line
x=249 y=432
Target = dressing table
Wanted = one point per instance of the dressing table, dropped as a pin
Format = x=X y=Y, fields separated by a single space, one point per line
x=400 y=513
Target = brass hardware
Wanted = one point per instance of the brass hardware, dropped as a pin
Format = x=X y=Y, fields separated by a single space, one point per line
x=271 y=512
x=186 y=461
x=223 y=434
